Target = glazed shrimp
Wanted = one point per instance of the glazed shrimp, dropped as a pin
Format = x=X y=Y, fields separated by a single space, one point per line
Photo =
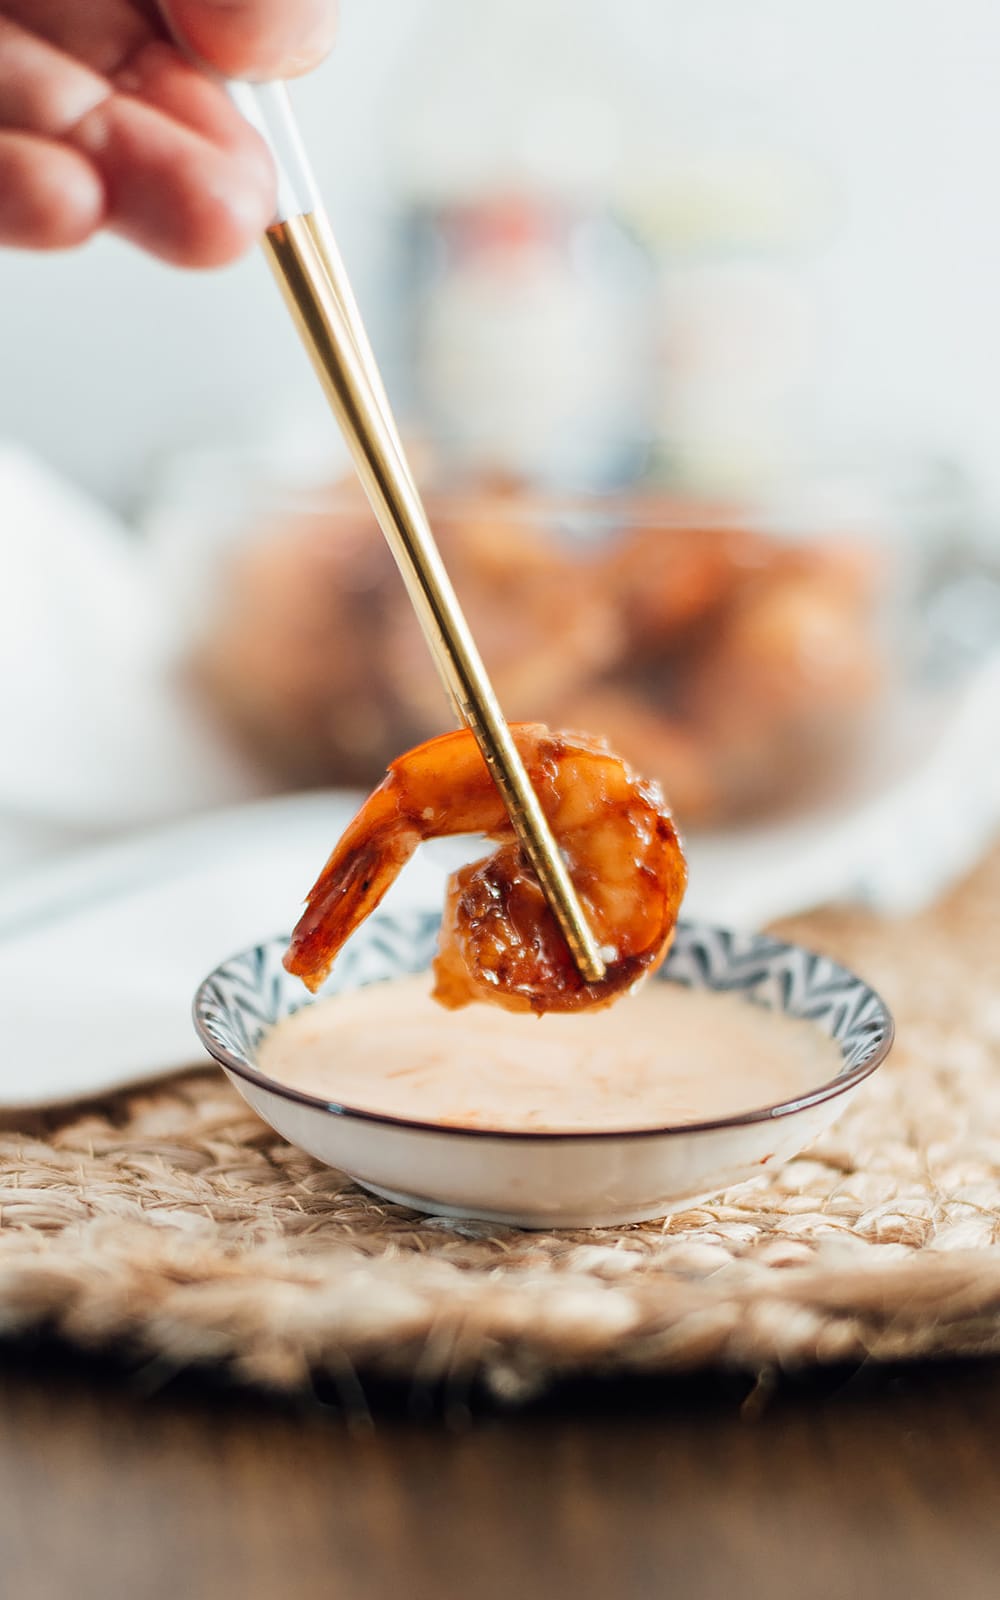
x=499 y=941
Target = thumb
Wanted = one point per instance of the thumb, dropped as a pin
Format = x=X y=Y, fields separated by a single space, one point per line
x=255 y=38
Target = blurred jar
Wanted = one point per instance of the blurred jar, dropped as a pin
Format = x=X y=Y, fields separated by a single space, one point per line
x=529 y=305
x=531 y=338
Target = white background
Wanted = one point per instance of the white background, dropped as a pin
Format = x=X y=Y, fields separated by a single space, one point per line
x=109 y=361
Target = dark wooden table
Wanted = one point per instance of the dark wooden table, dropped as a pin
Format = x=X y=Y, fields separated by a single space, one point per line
x=855 y=1486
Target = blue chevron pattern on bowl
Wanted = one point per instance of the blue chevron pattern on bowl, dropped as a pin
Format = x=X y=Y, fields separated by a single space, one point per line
x=252 y=991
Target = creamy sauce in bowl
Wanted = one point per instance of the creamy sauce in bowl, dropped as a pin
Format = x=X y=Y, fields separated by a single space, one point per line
x=665 y=1057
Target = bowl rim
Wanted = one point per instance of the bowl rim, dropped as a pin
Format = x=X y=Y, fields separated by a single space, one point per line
x=770 y=1113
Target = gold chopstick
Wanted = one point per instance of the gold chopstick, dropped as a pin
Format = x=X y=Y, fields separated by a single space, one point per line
x=321 y=233
x=341 y=356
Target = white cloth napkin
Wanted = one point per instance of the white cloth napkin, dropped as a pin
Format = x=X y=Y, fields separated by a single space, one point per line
x=98 y=731
x=100 y=953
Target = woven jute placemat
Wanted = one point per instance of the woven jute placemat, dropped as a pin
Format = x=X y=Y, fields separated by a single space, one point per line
x=170 y=1223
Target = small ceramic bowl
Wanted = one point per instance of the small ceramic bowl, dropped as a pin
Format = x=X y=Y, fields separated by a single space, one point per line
x=546 y=1180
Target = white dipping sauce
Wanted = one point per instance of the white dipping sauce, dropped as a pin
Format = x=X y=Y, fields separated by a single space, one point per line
x=665 y=1055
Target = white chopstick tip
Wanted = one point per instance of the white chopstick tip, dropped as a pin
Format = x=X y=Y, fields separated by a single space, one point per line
x=267 y=108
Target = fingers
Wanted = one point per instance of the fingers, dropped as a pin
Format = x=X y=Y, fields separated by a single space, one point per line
x=50 y=197
x=256 y=38
x=171 y=190
x=42 y=90
x=100 y=33
x=163 y=79
x=173 y=166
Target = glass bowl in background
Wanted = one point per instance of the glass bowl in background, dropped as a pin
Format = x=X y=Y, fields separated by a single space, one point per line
x=744 y=655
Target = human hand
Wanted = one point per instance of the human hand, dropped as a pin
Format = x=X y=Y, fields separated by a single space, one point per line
x=104 y=123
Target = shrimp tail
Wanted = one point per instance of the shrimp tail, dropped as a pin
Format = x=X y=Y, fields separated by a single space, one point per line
x=442 y=787
x=364 y=864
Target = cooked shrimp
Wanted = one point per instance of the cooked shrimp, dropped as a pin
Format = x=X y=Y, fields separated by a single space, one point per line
x=499 y=940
